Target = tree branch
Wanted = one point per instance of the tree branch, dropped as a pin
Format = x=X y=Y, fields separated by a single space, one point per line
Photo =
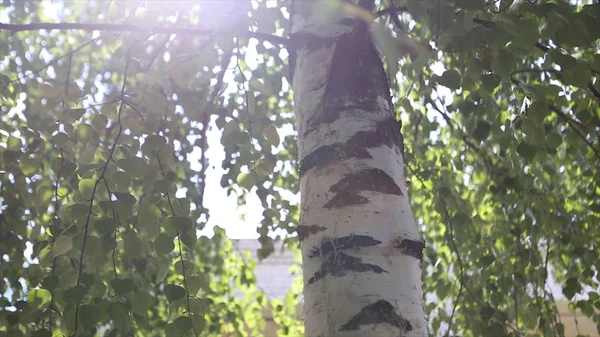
x=185 y=286
x=124 y=27
x=594 y=90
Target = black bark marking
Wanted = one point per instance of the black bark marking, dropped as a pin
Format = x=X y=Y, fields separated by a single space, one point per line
x=328 y=154
x=411 y=248
x=347 y=189
x=305 y=231
x=377 y=313
x=339 y=263
x=356 y=79
x=385 y=133
x=308 y=41
x=342 y=243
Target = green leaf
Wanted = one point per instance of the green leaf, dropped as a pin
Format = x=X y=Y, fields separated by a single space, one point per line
x=246 y=180
x=153 y=142
x=134 y=247
x=120 y=181
x=389 y=46
x=174 y=292
x=526 y=151
x=75 y=294
x=571 y=287
x=140 y=303
x=579 y=75
x=490 y=81
x=470 y=4
x=88 y=315
x=194 y=284
x=197 y=306
x=48 y=91
x=188 y=238
x=78 y=210
x=450 y=79
x=76 y=114
x=183 y=324
x=134 y=165
x=38 y=297
x=14 y=143
x=118 y=313
x=163 y=244
x=236 y=138
x=259 y=86
x=180 y=223
x=50 y=282
x=62 y=139
x=122 y=286
x=42 y=333
x=11 y=156
x=86 y=186
x=29 y=166
x=62 y=245
x=148 y=213
x=99 y=122
x=482 y=130
x=162 y=272
x=537 y=111
x=126 y=198
x=163 y=186
x=271 y=135
x=199 y=322
x=554 y=140
x=172 y=331
x=105 y=226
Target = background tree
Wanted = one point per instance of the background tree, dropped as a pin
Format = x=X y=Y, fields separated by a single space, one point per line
x=500 y=106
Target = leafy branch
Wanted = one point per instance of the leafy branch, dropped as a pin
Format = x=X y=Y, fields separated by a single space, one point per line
x=54 y=60
x=205 y=121
x=180 y=254
x=569 y=120
x=98 y=180
x=55 y=231
x=114 y=215
x=124 y=27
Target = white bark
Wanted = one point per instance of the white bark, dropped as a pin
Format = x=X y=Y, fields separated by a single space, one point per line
x=360 y=245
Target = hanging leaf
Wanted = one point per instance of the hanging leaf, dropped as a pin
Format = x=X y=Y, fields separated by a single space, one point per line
x=62 y=245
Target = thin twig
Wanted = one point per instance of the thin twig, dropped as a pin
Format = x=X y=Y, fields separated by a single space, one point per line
x=461 y=279
x=594 y=91
x=564 y=116
x=114 y=214
x=54 y=60
x=392 y=11
x=571 y=122
x=187 y=293
x=205 y=121
x=55 y=233
x=579 y=134
x=416 y=131
x=102 y=175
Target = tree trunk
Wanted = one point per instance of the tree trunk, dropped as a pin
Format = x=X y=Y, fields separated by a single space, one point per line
x=361 y=248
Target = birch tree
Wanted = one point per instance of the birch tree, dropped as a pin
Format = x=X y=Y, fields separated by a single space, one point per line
x=360 y=245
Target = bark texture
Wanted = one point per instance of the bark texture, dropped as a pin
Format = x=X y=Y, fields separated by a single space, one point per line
x=360 y=245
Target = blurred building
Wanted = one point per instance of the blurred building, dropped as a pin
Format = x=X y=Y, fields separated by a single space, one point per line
x=274 y=278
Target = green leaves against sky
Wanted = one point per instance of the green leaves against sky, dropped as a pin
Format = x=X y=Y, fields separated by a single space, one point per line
x=100 y=202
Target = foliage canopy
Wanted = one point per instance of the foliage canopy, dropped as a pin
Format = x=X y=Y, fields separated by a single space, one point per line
x=100 y=203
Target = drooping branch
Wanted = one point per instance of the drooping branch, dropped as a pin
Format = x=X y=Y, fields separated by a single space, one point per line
x=125 y=27
x=180 y=251
x=97 y=182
